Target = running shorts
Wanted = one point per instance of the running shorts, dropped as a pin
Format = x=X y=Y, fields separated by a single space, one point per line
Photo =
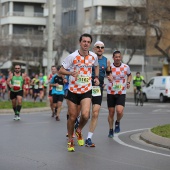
x=13 y=95
x=76 y=98
x=57 y=98
x=117 y=99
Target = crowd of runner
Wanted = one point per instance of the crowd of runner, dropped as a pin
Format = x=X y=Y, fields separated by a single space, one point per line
x=80 y=80
x=34 y=87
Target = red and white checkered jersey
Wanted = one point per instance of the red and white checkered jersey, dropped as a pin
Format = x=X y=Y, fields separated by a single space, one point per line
x=83 y=65
x=118 y=85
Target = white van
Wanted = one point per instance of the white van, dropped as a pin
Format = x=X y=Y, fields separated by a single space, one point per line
x=157 y=88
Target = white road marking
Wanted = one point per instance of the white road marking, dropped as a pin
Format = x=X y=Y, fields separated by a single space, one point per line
x=116 y=138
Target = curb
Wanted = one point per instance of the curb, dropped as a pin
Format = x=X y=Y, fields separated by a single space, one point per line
x=154 y=139
x=26 y=110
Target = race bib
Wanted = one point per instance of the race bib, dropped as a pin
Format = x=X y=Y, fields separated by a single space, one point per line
x=40 y=86
x=26 y=86
x=83 y=80
x=35 y=86
x=117 y=86
x=4 y=84
x=59 y=88
x=96 y=91
x=16 y=85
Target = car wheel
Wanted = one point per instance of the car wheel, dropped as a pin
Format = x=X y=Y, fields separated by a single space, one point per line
x=162 y=98
x=145 y=97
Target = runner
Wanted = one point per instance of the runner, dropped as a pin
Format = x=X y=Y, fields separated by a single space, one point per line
x=53 y=72
x=97 y=91
x=57 y=83
x=119 y=80
x=45 y=80
x=3 y=86
x=35 y=82
x=41 y=87
x=15 y=82
x=26 y=86
x=80 y=64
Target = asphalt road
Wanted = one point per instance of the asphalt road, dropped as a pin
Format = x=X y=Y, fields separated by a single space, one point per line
x=38 y=142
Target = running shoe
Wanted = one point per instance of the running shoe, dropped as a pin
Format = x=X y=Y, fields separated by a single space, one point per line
x=70 y=146
x=18 y=118
x=80 y=139
x=53 y=114
x=110 y=135
x=117 y=127
x=89 y=143
x=57 y=118
x=15 y=117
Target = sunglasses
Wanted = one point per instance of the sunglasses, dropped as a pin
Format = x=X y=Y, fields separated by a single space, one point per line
x=17 y=68
x=98 y=47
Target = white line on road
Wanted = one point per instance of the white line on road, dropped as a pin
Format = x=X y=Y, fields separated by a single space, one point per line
x=116 y=138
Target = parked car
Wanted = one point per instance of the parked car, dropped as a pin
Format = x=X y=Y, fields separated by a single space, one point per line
x=157 y=88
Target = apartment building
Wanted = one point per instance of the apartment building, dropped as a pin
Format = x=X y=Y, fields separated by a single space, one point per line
x=21 y=32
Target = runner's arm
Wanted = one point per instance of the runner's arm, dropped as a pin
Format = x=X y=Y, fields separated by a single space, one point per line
x=129 y=78
x=96 y=79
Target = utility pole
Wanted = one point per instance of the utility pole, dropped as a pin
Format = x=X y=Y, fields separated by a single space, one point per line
x=50 y=40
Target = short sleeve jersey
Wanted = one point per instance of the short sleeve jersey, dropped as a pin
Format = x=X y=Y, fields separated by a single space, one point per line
x=118 y=85
x=138 y=81
x=83 y=65
x=59 y=90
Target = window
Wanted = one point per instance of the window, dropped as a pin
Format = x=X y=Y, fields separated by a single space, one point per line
x=108 y=14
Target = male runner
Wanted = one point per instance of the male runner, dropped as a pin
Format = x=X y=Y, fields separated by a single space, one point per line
x=97 y=91
x=80 y=64
x=15 y=82
x=119 y=80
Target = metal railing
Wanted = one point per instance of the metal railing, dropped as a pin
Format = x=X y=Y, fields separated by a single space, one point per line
x=27 y=14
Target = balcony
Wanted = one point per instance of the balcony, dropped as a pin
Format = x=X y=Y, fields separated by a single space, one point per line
x=23 y=14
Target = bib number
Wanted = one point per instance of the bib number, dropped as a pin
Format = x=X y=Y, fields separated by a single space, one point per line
x=35 y=86
x=16 y=85
x=96 y=91
x=83 y=80
x=59 y=88
x=117 y=86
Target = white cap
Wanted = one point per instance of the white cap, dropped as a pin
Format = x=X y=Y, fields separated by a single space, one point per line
x=98 y=43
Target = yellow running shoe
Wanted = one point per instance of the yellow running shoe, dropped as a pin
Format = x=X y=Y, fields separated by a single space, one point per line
x=80 y=139
x=70 y=146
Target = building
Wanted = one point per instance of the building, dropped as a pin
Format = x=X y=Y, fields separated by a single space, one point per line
x=22 y=25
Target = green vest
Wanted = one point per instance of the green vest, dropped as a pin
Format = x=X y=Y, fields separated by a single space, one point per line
x=17 y=82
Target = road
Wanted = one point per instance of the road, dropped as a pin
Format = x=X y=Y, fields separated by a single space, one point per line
x=38 y=142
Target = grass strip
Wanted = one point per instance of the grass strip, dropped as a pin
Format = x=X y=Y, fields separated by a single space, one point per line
x=163 y=130
x=25 y=104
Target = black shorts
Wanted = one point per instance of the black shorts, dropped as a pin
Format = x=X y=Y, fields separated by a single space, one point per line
x=40 y=89
x=76 y=98
x=58 y=98
x=117 y=99
x=138 y=88
x=36 y=91
x=13 y=95
x=98 y=99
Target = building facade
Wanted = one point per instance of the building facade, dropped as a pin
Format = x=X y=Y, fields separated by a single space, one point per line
x=22 y=24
